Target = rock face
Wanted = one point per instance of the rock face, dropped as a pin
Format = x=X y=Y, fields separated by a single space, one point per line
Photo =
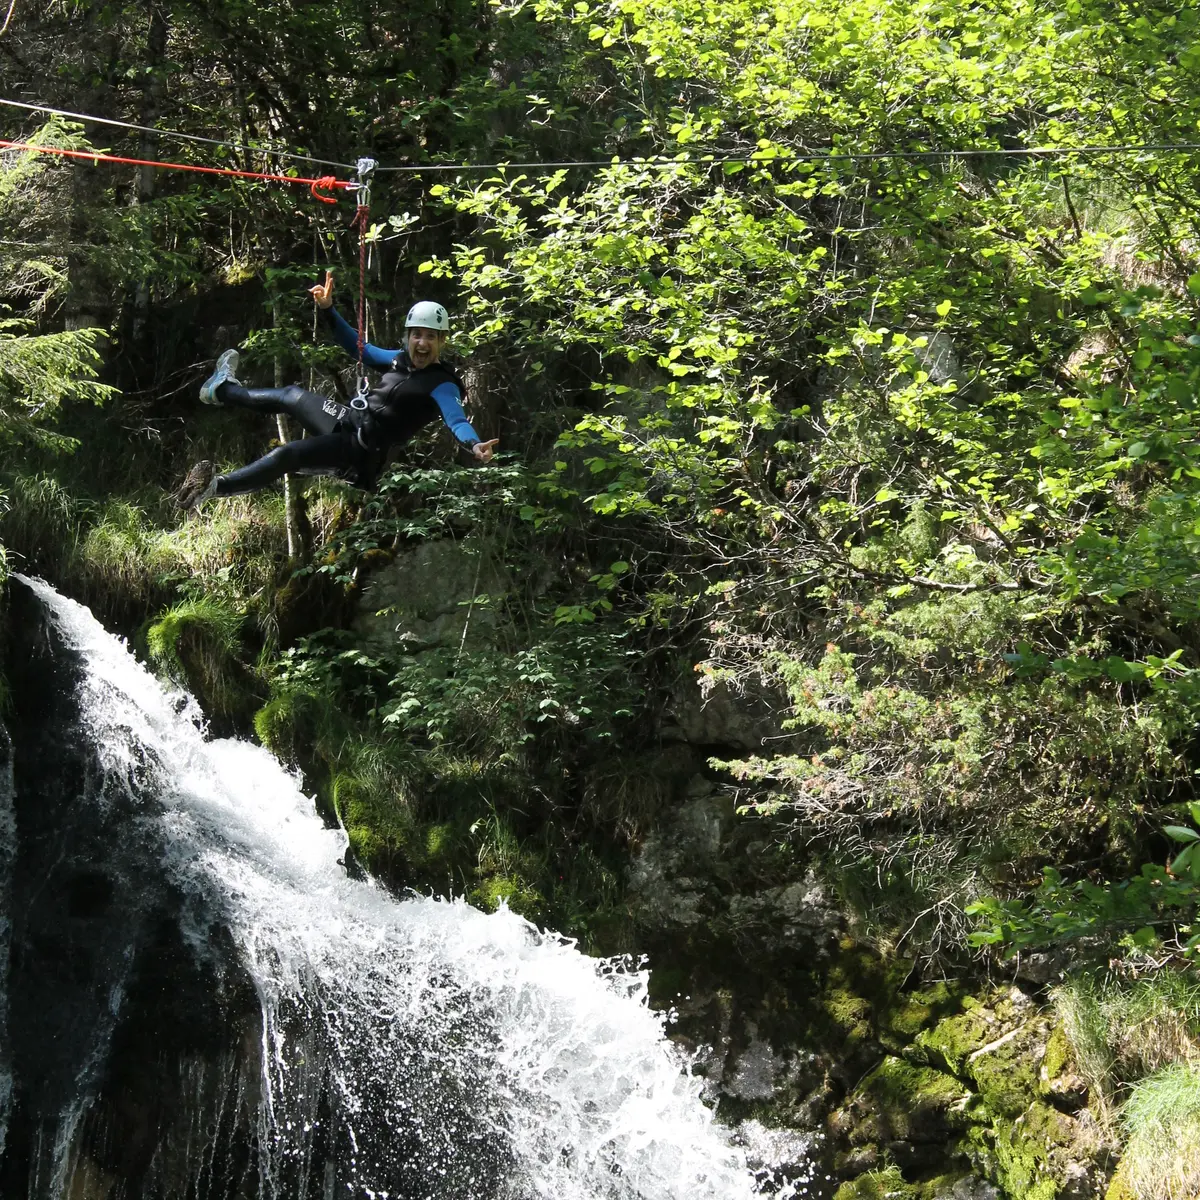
x=716 y=717
x=424 y=598
x=908 y=1091
x=133 y=1050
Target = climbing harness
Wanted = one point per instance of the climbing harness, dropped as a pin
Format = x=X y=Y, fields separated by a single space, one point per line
x=364 y=172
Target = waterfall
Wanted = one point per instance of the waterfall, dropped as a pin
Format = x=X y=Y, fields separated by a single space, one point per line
x=408 y=1049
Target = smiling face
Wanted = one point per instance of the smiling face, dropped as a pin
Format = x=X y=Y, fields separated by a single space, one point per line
x=424 y=346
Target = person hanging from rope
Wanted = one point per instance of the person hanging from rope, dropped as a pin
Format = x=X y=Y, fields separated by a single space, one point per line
x=351 y=441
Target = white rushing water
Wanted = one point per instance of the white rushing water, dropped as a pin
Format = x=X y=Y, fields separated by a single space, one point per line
x=447 y=1053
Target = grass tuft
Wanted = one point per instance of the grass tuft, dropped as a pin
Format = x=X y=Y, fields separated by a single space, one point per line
x=1161 y=1119
x=1123 y=1032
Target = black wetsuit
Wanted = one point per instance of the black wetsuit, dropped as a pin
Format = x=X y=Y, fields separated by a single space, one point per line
x=350 y=441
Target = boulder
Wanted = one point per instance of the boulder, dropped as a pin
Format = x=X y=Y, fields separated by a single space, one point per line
x=671 y=882
x=429 y=596
x=712 y=714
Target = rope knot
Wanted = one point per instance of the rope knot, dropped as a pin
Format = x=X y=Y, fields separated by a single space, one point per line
x=326 y=183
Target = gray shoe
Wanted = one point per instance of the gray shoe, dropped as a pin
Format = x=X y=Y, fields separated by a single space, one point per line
x=200 y=485
x=225 y=370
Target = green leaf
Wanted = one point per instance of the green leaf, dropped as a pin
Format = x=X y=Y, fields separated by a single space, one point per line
x=1181 y=833
x=943 y=310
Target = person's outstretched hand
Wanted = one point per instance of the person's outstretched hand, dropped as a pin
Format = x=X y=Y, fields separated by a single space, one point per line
x=322 y=293
x=484 y=450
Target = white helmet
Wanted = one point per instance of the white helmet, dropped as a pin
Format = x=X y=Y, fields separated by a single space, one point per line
x=427 y=315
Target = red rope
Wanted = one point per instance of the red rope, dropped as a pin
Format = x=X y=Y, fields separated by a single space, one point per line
x=322 y=184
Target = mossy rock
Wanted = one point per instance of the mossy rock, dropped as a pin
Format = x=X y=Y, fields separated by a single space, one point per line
x=850 y=1013
x=198 y=644
x=382 y=831
x=1023 y=1154
x=279 y=724
x=867 y=999
x=907 y=1102
x=997 y=1047
x=519 y=895
x=1059 y=1080
x=1058 y=1056
x=953 y=1187
x=884 y=1184
x=914 y=1011
x=442 y=845
x=292 y=725
x=952 y=1041
x=1007 y=1077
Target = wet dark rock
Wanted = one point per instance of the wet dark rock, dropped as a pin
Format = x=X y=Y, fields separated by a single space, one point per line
x=134 y=1044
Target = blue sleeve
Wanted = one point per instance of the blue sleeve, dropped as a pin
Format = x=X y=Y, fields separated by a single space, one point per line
x=447 y=396
x=346 y=336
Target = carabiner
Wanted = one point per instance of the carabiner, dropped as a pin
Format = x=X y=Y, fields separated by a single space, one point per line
x=364 y=172
x=359 y=401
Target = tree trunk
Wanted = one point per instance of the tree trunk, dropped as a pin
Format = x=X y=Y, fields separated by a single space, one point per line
x=151 y=110
x=299 y=533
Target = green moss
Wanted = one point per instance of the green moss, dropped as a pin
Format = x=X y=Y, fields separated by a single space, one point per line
x=196 y=643
x=1007 y=1078
x=850 y=1013
x=380 y=827
x=867 y=999
x=910 y=1101
x=940 y=1186
x=951 y=1042
x=884 y=1184
x=442 y=844
x=278 y=723
x=519 y=895
x=914 y=1011
x=1057 y=1059
x=1020 y=1152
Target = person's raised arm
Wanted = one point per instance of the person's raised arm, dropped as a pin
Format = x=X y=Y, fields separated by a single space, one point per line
x=343 y=332
x=449 y=401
